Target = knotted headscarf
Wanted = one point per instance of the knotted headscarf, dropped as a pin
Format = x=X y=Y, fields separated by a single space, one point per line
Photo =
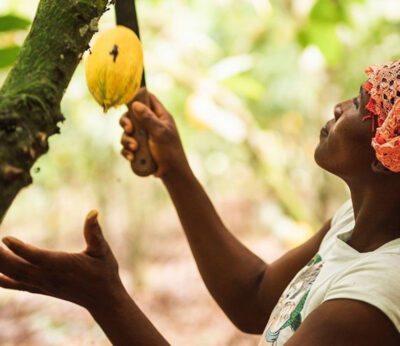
x=383 y=86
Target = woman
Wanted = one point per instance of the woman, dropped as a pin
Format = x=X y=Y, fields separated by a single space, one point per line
x=341 y=287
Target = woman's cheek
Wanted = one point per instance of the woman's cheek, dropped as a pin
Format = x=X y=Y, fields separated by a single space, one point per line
x=353 y=129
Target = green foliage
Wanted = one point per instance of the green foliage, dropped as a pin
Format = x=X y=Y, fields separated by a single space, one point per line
x=9 y=24
x=8 y=55
x=324 y=36
x=321 y=29
x=13 y=22
x=328 y=11
x=246 y=86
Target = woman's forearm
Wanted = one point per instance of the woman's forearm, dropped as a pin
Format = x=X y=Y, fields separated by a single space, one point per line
x=124 y=323
x=230 y=271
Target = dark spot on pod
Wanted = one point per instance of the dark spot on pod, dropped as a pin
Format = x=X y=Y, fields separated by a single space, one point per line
x=391 y=82
x=392 y=100
x=385 y=96
x=398 y=93
x=384 y=80
x=114 y=52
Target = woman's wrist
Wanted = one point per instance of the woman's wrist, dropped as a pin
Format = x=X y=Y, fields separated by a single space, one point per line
x=123 y=322
x=107 y=300
x=180 y=174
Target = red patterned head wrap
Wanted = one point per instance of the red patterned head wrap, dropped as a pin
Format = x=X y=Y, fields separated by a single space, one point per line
x=383 y=86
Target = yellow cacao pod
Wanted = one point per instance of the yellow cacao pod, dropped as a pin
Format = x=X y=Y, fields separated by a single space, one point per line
x=114 y=68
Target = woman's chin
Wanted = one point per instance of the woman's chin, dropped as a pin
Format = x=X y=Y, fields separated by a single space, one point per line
x=319 y=155
x=322 y=158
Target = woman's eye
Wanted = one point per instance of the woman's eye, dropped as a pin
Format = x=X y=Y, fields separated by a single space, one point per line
x=355 y=101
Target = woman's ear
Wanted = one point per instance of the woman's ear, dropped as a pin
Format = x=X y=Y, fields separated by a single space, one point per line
x=378 y=168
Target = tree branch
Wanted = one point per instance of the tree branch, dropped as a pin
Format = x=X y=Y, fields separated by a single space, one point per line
x=30 y=96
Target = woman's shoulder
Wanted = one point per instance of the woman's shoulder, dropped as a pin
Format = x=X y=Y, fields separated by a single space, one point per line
x=373 y=279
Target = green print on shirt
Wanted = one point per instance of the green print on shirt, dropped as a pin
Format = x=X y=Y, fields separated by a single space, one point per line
x=287 y=312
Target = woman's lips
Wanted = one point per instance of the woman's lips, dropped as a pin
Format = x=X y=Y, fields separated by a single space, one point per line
x=324 y=132
x=327 y=128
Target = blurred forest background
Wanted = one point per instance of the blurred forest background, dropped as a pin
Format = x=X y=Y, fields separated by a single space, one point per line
x=250 y=83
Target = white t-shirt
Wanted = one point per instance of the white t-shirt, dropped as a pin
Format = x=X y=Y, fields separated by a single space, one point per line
x=338 y=271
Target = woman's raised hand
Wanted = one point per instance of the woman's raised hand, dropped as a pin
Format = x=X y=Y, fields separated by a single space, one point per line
x=164 y=142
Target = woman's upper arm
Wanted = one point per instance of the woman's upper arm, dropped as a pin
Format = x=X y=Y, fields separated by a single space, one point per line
x=345 y=322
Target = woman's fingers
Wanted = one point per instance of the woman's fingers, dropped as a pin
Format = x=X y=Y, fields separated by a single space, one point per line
x=146 y=117
x=28 y=252
x=17 y=268
x=129 y=143
x=126 y=124
x=9 y=283
x=128 y=155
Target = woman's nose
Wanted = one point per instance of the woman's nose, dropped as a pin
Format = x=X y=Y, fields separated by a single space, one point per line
x=338 y=111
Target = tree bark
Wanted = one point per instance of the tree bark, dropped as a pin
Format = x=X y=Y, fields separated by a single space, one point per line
x=30 y=96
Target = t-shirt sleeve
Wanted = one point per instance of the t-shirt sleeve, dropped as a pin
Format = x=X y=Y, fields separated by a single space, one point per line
x=373 y=281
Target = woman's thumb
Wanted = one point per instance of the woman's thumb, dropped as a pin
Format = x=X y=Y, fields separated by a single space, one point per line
x=96 y=244
x=145 y=116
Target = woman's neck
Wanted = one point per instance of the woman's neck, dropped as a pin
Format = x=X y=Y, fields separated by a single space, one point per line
x=377 y=216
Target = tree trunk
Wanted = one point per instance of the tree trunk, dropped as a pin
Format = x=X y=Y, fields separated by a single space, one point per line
x=30 y=96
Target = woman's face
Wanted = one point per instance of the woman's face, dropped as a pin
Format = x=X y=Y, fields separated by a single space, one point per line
x=345 y=141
